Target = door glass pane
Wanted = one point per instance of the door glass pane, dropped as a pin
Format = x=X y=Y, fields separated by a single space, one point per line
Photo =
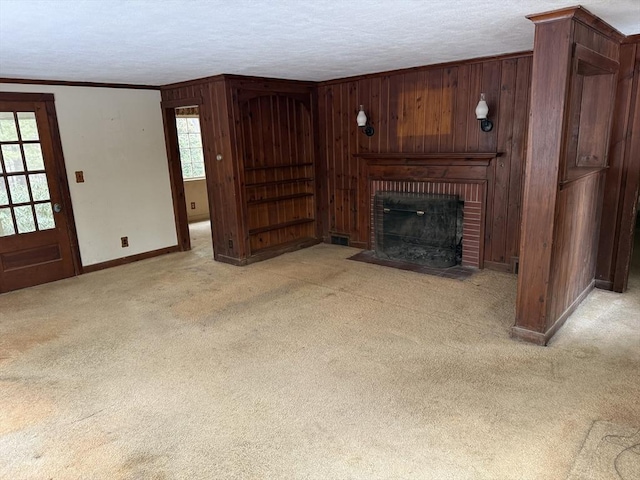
x=18 y=189
x=44 y=214
x=24 y=219
x=8 y=131
x=33 y=156
x=12 y=158
x=6 y=223
x=28 y=126
x=39 y=187
x=4 y=197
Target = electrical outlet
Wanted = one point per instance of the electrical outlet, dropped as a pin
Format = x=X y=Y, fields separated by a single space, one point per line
x=80 y=177
x=230 y=244
x=193 y=205
x=124 y=241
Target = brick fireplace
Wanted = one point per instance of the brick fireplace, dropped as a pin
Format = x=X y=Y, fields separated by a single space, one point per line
x=463 y=175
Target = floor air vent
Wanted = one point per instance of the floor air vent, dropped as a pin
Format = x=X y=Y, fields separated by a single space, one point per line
x=340 y=240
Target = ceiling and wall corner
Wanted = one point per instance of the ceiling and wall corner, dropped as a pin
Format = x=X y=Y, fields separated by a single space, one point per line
x=156 y=43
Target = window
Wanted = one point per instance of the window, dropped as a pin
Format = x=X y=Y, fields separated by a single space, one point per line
x=190 y=146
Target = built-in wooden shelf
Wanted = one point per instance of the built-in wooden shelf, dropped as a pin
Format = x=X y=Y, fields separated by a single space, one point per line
x=278 y=226
x=280 y=198
x=280 y=165
x=279 y=182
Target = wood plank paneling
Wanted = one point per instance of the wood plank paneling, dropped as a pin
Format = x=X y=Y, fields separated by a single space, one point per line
x=427 y=110
x=622 y=176
x=263 y=187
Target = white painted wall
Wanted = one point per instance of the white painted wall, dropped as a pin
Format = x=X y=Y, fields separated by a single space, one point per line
x=115 y=136
x=195 y=191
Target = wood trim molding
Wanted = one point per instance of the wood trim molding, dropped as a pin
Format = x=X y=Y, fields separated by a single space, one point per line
x=540 y=338
x=130 y=259
x=604 y=285
x=498 y=266
x=175 y=172
x=70 y=83
x=635 y=38
x=26 y=97
x=63 y=180
x=581 y=15
x=238 y=78
x=422 y=68
x=181 y=102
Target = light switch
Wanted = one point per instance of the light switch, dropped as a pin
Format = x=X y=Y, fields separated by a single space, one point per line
x=80 y=177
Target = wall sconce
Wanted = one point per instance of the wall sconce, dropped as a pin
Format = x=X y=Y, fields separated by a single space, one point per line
x=482 y=110
x=363 y=123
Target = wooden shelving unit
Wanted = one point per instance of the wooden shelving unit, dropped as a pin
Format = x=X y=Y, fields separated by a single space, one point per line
x=278 y=172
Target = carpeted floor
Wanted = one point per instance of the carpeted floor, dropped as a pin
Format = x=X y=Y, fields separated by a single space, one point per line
x=306 y=366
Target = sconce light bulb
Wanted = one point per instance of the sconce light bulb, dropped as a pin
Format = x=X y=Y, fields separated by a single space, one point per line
x=362 y=117
x=482 y=110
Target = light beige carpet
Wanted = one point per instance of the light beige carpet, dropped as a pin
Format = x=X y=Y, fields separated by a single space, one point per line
x=306 y=366
x=610 y=451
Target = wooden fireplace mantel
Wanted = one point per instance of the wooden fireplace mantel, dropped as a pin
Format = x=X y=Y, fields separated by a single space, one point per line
x=429 y=159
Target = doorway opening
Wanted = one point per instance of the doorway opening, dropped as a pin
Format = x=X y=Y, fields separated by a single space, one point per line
x=189 y=136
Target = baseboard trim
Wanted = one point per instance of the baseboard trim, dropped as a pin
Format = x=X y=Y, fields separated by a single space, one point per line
x=238 y=262
x=268 y=253
x=604 y=285
x=130 y=259
x=540 y=338
x=280 y=249
x=528 y=336
x=499 y=266
x=567 y=313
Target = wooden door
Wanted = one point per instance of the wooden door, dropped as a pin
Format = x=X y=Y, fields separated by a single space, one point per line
x=35 y=216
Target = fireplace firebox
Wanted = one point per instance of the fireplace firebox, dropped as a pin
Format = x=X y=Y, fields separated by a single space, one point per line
x=424 y=229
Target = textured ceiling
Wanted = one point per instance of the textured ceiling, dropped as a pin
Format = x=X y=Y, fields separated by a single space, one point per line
x=156 y=42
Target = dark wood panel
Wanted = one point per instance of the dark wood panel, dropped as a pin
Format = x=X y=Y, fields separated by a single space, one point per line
x=620 y=175
x=551 y=60
x=426 y=110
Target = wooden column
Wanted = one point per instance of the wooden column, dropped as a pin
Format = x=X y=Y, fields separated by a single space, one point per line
x=575 y=62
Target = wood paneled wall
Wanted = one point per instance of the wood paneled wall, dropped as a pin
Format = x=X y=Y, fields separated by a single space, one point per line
x=429 y=110
x=224 y=205
x=623 y=176
x=261 y=190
